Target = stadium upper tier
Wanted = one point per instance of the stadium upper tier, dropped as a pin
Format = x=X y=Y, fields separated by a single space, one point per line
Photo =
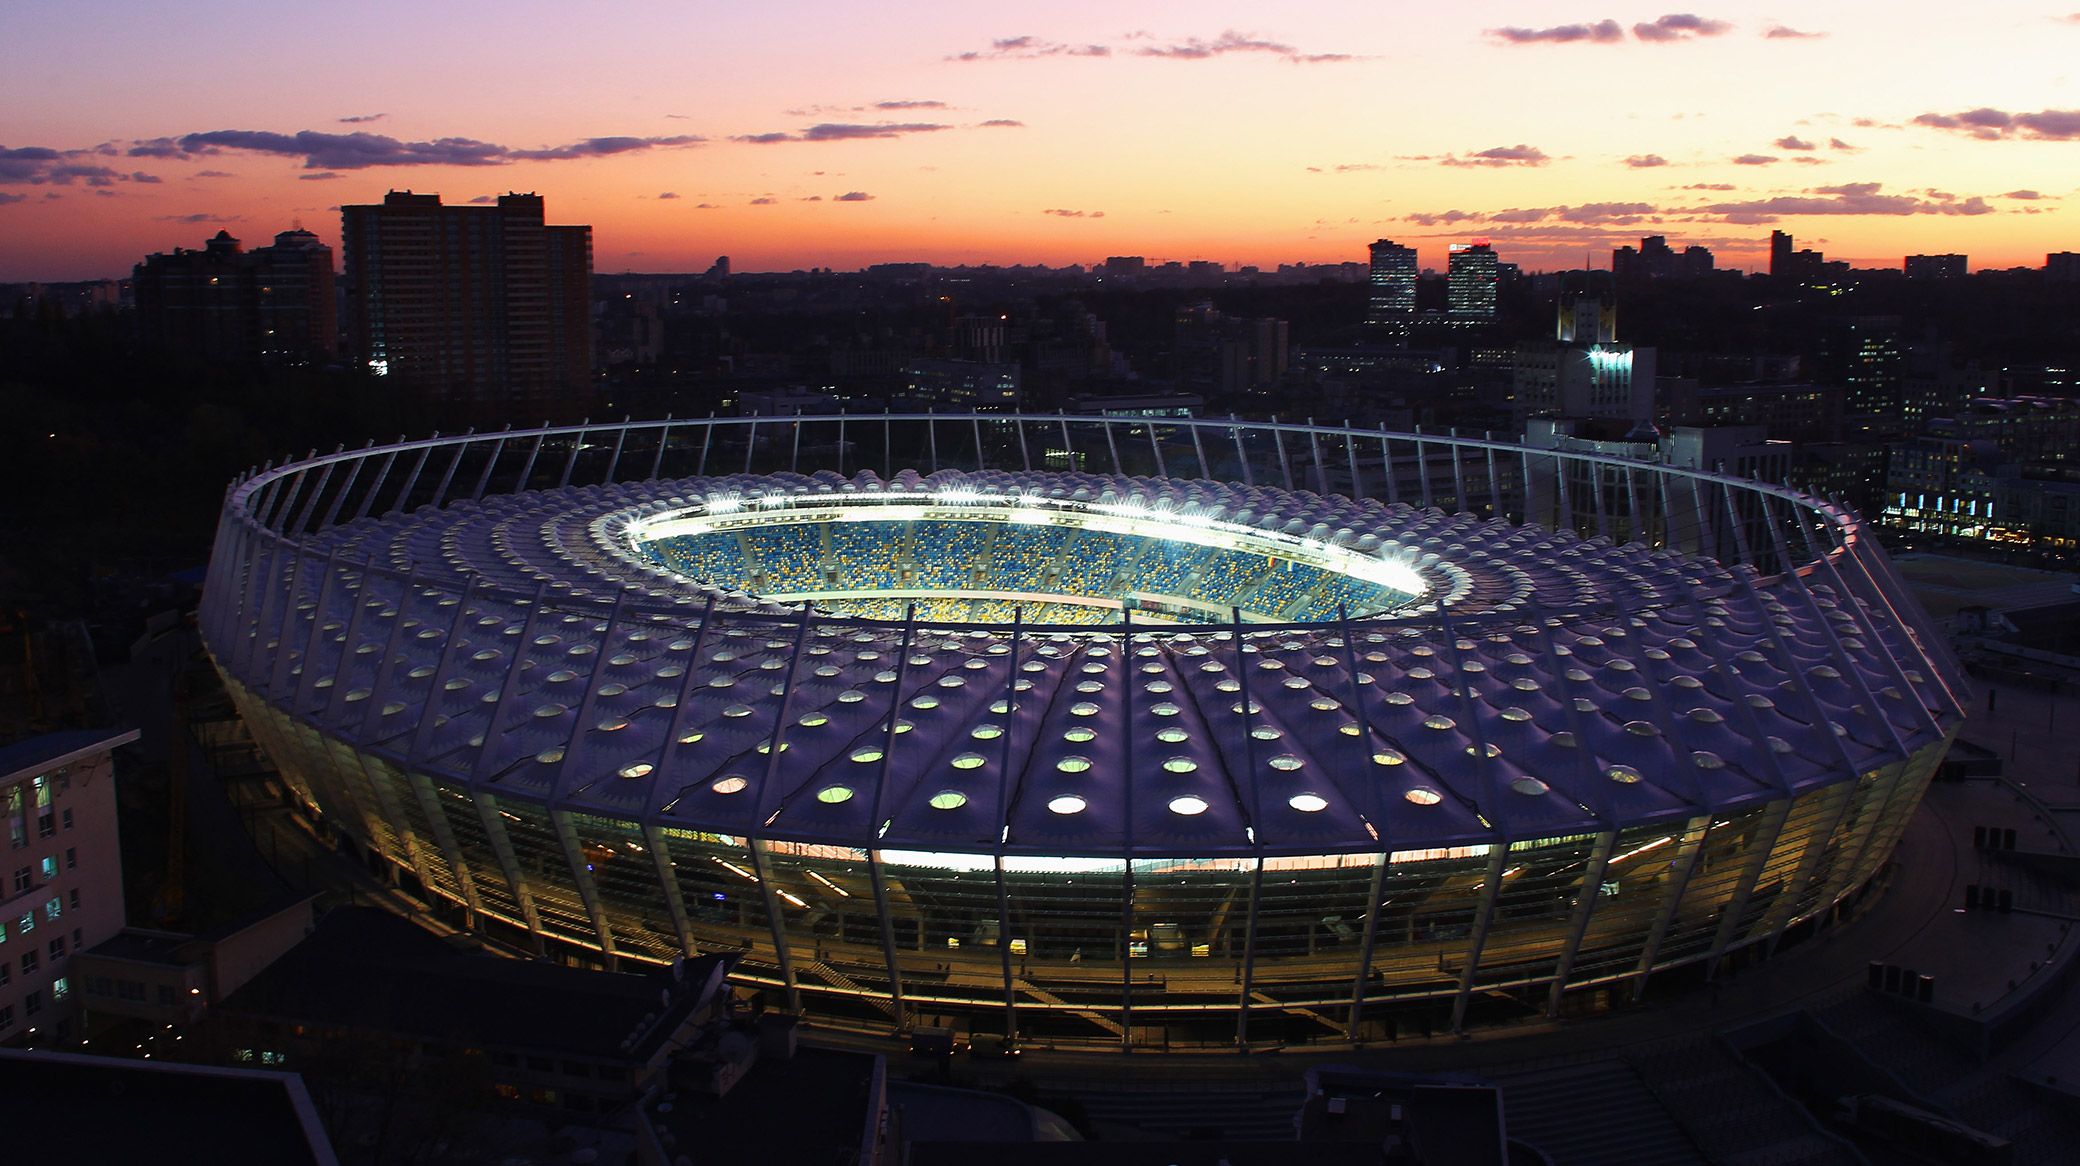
x=634 y=649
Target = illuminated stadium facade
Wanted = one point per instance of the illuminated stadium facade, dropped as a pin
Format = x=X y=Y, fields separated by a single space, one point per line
x=1146 y=733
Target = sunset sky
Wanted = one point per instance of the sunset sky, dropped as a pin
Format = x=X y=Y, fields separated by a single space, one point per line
x=800 y=133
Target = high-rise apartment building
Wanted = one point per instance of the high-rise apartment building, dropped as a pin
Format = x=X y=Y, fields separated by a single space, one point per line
x=273 y=303
x=64 y=875
x=1803 y=264
x=1470 y=283
x=1655 y=259
x=1780 y=253
x=486 y=309
x=1392 y=308
x=1935 y=266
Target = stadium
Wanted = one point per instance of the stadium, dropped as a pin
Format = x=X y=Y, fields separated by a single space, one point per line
x=1100 y=731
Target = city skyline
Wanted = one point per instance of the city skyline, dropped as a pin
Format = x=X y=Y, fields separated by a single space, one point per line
x=829 y=136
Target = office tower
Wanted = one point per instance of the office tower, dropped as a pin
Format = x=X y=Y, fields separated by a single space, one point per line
x=273 y=303
x=1586 y=316
x=977 y=385
x=1863 y=356
x=1935 y=266
x=1584 y=372
x=1393 y=305
x=484 y=309
x=1471 y=278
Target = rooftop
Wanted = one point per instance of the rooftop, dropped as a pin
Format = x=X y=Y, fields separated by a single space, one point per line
x=50 y=750
x=169 y=1114
x=367 y=969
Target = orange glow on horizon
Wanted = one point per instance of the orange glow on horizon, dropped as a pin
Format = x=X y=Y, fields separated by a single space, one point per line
x=974 y=137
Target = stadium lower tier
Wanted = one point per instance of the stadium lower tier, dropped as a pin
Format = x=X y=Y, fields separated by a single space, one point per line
x=1151 y=952
x=808 y=560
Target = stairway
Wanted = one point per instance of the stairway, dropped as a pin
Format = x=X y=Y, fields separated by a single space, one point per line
x=1046 y=997
x=1730 y=1106
x=838 y=979
x=1594 y=1113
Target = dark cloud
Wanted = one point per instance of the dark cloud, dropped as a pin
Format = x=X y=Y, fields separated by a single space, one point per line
x=1673 y=27
x=843 y=132
x=669 y=194
x=43 y=166
x=892 y=105
x=2052 y=125
x=320 y=176
x=854 y=196
x=1794 y=142
x=1602 y=32
x=1854 y=198
x=1517 y=155
x=214 y=174
x=6 y=198
x=764 y=200
x=483 y=200
x=1068 y=214
x=25 y=163
x=199 y=217
x=361 y=150
x=156 y=148
x=1607 y=214
x=1002 y=123
x=1839 y=144
x=1680 y=26
x=1230 y=41
x=810 y=198
x=604 y=147
x=65 y=175
x=2023 y=195
x=1754 y=159
x=1443 y=218
x=1194 y=48
x=362 y=118
x=1785 y=32
x=1026 y=48
x=1710 y=186
x=1645 y=161
x=706 y=206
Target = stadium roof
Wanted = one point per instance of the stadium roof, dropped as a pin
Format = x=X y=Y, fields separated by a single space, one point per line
x=517 y=646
